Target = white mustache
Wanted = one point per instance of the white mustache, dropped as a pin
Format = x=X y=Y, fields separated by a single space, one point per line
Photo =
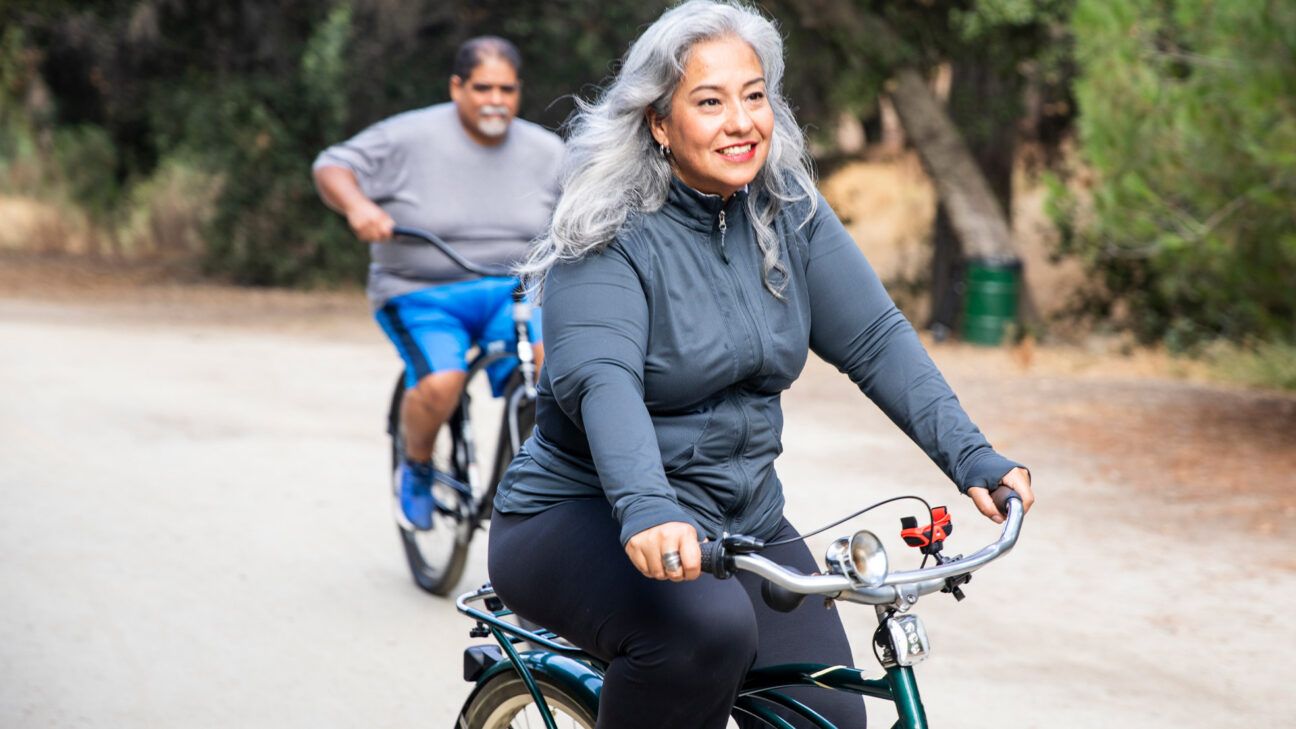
x=491 y=110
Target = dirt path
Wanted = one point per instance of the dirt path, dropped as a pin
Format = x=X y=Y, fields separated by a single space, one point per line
x=193 y=532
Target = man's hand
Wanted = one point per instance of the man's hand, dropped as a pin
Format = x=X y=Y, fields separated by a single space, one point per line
x=1018 y=480
x=368 y=221
x=339 y=189
x=646 y=549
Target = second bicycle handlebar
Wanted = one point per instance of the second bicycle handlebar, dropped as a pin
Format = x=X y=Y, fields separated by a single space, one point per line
x=450 y=252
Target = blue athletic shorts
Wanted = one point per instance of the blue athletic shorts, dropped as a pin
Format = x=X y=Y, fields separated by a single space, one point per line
x=434 y=328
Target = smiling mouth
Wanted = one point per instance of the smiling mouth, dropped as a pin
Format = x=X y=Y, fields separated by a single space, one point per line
x=738 y=150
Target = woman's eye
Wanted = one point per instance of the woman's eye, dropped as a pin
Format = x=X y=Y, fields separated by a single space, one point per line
x=709 y=102
x=756 y=96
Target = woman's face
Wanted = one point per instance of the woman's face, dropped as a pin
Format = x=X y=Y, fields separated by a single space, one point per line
x=721 y=122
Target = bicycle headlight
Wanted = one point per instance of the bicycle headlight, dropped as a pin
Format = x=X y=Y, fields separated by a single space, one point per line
x=861 y=558
x=908 y=639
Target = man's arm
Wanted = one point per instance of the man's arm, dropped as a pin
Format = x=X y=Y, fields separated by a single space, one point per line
x=339 y=190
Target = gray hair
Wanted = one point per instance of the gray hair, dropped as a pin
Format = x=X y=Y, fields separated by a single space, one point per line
x=613 y=169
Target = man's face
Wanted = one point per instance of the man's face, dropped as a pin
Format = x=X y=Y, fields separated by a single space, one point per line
x=487 y=100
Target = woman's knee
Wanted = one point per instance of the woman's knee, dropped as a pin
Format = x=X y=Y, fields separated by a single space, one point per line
x=728 y=645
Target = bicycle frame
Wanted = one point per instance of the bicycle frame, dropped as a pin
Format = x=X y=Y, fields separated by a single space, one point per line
x=898 y=687
x=582 y=675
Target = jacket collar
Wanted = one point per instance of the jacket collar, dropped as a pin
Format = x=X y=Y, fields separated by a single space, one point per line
x=698 y=210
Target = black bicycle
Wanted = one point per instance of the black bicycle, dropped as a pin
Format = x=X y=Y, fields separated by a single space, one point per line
x=463 y=498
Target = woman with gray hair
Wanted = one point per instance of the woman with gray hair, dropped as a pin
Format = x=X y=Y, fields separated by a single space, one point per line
x=689 y=269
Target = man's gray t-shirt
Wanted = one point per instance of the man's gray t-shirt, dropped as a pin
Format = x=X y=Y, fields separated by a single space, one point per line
x=426 y=172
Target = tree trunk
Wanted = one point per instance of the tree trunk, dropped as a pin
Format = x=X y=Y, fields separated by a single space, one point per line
x=947 y=270
x=990 y=135
x=974 y=213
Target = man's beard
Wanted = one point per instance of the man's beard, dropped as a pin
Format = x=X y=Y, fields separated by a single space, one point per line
x=493 y=121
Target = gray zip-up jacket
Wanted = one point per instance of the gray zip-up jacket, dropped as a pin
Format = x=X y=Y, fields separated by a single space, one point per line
x=666 y=358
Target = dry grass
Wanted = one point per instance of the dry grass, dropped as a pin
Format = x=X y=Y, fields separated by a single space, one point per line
x=888 y=206
x=38 y=226
x=161 y=218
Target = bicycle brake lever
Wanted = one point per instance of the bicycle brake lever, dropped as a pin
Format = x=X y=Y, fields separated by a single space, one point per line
x=742 y=544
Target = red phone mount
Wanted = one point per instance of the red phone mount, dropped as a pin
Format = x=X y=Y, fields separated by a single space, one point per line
x=927 y=538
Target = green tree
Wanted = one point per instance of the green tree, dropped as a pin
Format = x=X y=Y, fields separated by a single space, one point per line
x=1188 y=123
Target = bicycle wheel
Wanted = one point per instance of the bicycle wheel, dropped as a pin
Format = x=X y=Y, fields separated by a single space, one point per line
x=505 y=702
x=508 y=443
x=436 y=556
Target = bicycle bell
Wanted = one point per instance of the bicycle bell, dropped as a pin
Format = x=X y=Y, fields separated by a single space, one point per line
x=861 y=558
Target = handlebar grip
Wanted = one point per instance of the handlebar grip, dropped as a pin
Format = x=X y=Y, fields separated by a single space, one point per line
x=1001 y=495
x=713 y=557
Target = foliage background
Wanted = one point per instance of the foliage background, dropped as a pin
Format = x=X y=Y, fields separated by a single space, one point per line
x=185 y=128
x=1189 y=123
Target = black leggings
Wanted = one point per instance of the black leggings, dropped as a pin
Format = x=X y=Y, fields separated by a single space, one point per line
x=676 y=651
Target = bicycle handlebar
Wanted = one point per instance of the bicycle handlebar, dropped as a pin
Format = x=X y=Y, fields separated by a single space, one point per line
x=450 y=252
x=896 y=587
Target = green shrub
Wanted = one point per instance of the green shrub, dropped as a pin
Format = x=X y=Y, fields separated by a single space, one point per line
x=260 y=133
x=1262 y=364
x=166 y=214
x=1187 y=123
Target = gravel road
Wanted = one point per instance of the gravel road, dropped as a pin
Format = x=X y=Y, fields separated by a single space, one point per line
x=194 y=532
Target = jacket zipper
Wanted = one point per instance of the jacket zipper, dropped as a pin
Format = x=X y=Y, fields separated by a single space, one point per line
x=748 y=488
x=723 y=228
x=733 y=515
x=747 y=304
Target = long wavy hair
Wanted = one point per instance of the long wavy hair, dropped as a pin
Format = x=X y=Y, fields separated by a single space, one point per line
x=614 y=170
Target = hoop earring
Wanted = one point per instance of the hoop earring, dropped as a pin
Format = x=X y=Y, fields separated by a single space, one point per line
x=665 y=151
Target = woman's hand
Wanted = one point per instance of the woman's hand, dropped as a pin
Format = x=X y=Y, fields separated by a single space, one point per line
x=646 y=549
x=1018 y=480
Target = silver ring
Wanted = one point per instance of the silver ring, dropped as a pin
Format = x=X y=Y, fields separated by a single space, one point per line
x=671 y=561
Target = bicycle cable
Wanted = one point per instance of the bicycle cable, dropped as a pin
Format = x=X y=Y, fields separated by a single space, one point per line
x=931 y=517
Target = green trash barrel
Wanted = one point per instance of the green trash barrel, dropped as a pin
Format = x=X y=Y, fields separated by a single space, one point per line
x=990 y=299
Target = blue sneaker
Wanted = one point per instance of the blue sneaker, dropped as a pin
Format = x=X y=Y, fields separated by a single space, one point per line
x=416 y=493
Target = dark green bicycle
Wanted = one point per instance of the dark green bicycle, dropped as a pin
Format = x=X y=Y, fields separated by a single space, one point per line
x=557 y=685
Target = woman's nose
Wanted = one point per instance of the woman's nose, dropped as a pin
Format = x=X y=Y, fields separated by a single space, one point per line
x=739 y=121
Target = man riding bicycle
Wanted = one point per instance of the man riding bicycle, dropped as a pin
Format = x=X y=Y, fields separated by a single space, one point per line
x=480 y=179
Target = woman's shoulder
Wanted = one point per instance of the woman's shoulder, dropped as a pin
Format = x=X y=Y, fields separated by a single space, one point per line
x=624 y=250
x=631 y=239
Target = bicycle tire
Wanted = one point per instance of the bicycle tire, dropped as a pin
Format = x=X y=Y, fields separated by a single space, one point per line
x=504 y=699
x=526 y=423
x=436 y=557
